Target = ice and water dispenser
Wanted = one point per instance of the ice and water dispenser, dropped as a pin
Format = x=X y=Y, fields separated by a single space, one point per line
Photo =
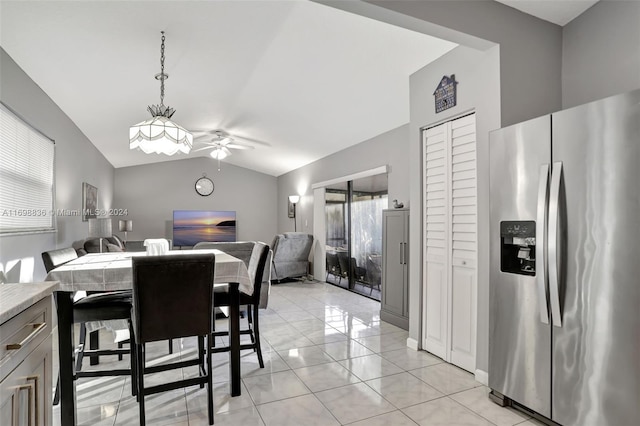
x=518 y=247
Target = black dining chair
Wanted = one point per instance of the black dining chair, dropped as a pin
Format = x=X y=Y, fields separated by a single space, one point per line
x=333 y=267
x=173 y=298
x=256 y=266
x=103 y=306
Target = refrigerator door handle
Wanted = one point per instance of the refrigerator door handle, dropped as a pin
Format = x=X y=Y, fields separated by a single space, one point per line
x=541 y=234
x=554 y=221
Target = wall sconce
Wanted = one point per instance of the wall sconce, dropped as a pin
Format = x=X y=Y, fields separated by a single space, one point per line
x=293 y=200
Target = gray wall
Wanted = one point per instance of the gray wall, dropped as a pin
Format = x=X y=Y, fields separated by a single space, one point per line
x=77 y=161
x=390 y=148
x=151 y=192
x=478 y=90
x=530 y=48
x=601 y=52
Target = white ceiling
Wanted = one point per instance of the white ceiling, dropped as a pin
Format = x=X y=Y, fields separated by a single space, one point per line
x=299 y=80
x=295 y=79
x=559 y=12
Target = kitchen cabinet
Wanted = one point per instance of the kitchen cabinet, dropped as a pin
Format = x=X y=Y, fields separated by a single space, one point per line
x=26 y=354
x=394 y=306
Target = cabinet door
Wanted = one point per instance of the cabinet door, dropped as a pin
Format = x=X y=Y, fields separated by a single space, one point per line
x=25 y=394
x=405 y=269
x=393 y=293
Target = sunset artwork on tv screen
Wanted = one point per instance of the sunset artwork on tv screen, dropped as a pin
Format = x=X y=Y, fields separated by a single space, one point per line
x=193 y=226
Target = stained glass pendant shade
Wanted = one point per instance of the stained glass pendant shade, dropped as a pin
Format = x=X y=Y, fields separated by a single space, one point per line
x=159 y=134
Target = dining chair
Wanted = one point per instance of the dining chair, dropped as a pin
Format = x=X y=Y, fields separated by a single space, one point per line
x=102 y=306
x=257 y=263
x=333 y=267
x=173 y=298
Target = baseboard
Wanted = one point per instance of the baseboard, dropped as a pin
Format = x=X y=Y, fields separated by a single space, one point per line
x=412 y=344
x=482 y=377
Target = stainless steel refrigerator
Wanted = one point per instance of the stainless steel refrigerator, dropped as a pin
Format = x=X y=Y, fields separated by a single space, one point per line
x=564 y=326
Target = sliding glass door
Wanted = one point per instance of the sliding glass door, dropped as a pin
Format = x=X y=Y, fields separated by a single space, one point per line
x=353 y=216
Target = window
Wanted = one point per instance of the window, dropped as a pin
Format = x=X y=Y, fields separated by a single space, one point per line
x=26 y=177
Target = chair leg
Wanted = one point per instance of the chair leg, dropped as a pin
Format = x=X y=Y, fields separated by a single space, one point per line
x=81 y=342
x=120 y=345
x=256 y=331
x=250 y=321
x=94 y=343
x=210 y=380
x=133 y=359
x=140 y=373
x=201 y=357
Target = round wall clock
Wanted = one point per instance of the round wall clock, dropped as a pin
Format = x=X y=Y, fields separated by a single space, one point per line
x=204 y=186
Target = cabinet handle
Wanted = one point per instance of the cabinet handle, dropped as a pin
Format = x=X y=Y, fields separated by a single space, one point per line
x=37 y=328
x=35 y=395
x=16 y=412
x=401 y=255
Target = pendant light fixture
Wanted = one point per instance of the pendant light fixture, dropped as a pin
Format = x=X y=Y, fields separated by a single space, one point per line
x=159 y=134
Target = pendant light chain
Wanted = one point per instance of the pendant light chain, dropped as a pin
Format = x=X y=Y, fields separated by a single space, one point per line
x=162 y=74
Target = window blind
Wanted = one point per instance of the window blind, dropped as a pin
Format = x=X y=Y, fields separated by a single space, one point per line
x=26 y=177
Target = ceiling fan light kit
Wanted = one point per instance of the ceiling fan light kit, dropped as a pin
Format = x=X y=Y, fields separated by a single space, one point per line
x=159 y=134
x=220 y=153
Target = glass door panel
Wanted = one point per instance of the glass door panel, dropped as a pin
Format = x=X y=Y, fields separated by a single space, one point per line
x=354 y=234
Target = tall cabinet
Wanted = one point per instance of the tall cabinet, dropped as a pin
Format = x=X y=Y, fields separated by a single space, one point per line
x=394 y=306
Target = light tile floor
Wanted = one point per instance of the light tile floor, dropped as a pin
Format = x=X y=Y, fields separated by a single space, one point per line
x=329 y=360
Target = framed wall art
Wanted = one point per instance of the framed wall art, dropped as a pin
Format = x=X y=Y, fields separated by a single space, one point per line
x=89 y=201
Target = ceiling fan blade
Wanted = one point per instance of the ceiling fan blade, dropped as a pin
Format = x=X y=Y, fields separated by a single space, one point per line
x=202 y=149
x=236 y=146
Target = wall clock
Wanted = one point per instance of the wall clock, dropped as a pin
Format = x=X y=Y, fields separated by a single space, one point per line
x=204 y=186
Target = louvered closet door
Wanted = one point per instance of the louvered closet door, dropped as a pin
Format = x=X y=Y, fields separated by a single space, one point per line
x=436 y=216
x=450 y=213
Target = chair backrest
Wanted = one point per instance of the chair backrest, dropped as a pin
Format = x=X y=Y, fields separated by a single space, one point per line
x=343 y=260
x=332 y=263
x=256 y=266
x=54 y=258
x=240 y=249
x=292 y=246
x=172 y=296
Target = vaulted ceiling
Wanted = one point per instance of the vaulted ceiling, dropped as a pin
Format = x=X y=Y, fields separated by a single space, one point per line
x=295 y=80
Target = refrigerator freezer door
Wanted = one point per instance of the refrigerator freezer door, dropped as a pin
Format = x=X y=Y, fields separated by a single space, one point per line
x=596 y=353
x=519 y=342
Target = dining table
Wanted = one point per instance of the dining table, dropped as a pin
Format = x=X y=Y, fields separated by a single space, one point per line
x=112 y=271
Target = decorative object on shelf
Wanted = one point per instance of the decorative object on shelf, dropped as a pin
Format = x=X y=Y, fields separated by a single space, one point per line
x=159 y=134
x=204 y=186
x=125 y=226
x=89 y=201
x=446 y=93
x=397 y=205
x=293 y=200
x=100 y=228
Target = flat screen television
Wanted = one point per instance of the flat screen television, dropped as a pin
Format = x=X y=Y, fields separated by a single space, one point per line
x=193 y=226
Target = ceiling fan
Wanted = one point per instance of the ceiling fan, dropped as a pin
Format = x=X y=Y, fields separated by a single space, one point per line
x=219 y=142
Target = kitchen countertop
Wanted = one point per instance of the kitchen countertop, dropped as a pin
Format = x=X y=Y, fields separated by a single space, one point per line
x=16 y=297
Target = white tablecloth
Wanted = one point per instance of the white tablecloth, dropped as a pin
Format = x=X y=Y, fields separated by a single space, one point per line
x=112 y=271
